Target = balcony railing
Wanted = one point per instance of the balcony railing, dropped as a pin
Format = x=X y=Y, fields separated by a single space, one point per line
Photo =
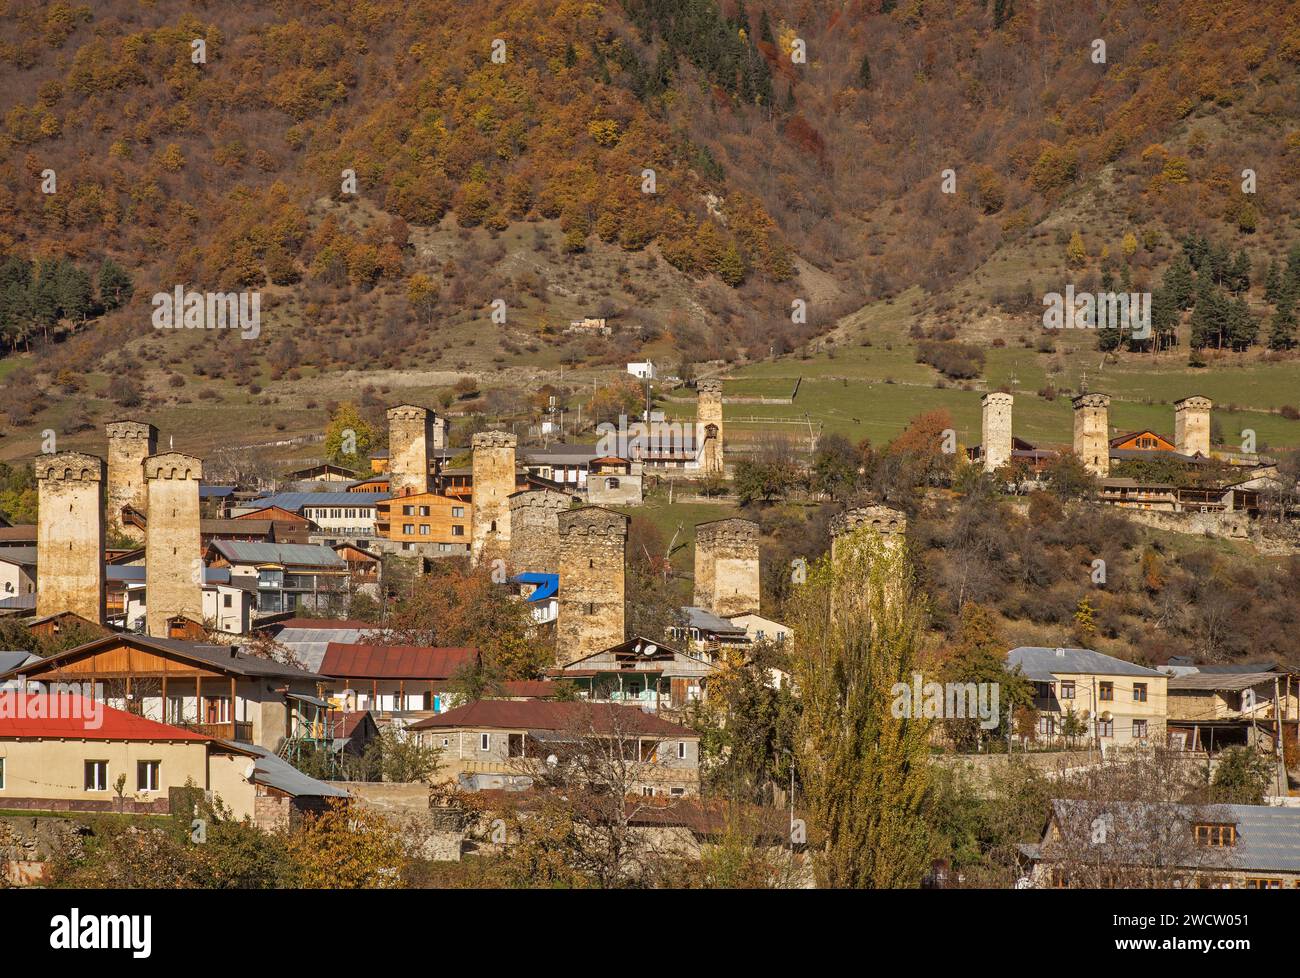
x=241 y=730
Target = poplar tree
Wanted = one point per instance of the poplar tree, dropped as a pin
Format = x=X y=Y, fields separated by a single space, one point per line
x=865 y=771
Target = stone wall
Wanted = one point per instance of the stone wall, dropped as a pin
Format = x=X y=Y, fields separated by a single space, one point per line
x=494 y=483
x=708 y=414
x=410 y=437
x=1092 y=432
x=70 y=535
x=535 y=530
x=727 y=567
x=172 y=543
x=996 y=429
x=1192 y=425
x=593 y=543
x=129 y=444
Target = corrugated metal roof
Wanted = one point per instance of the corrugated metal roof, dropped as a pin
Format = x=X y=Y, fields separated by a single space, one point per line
x=574 y=717
x=12 y=660
x=301 y=554
x=1038 y=660
x=393 y=661
x=707 y=621
x=23 y=556
x=308 y=644
x=1212 y=681
x=1268 y=837
x=275 y=772
x=295 y=501
x=19 y=602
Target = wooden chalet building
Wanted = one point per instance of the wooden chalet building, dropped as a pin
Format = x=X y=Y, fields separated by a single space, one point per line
x=216 y=690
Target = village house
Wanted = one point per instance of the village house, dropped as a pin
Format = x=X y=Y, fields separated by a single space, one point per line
x=639 y=673
x=708 y=634
x=17 y=571
x=614 y=481
x=1216 y=706
x=1248 y=847
x=1114 y=702
x=289 y=577
x=345 y=515
x=217 y=690
x=426 y=523
x=69 y=755
x=393 y=682
x=500 y=743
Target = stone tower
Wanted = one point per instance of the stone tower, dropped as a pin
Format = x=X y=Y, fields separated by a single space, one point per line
x=890 y=523
x=129 y=444
x=494 y=483
x=726 y=567
x=70 y=535
x=1092 y=432
x=439 y=433
x=996 y=434
x=535 y=530
x=1192 y=425
x=708 y=424
x=410 y=439
x=593 y=542
x=172 y=558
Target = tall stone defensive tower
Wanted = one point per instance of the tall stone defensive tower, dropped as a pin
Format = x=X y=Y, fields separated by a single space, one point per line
x=410 y=438
x=172 y=559
x=494 y=482
x=70 y=535
x=129 y=444
x=439 y=433
x=890 y=523
x=1092 y=432
x=1192 y=425
x=996 y=429
x=708 y=418
x=593 y=542
x=727 y=568
x=535 y=530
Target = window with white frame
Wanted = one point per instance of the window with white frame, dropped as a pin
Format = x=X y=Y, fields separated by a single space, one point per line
x=96 y=776
x=484 y=741
x=146 y=775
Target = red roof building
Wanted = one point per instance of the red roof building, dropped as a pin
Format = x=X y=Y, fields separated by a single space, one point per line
x=52 y=716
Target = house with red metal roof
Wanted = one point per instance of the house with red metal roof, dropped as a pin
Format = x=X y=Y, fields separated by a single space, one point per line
x=506 y=744
x=395 y=682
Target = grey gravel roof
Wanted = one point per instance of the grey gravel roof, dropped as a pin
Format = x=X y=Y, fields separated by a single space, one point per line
x=275 y=772
x=1036 y=660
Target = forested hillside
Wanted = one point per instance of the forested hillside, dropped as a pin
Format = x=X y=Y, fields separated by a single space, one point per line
x=704 y=161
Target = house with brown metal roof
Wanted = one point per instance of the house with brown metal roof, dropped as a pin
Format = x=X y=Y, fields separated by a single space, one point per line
x=507 y=743
x=395 y=682
x=639 y=672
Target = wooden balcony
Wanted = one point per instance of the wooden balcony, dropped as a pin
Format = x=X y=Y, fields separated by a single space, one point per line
x=240 y=730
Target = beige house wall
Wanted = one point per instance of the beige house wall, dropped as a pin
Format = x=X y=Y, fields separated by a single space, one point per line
x=1123 y=708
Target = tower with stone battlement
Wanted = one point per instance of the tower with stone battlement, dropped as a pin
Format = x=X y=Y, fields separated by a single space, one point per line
x=70 y=535
x=593 y=545
x=173 y=557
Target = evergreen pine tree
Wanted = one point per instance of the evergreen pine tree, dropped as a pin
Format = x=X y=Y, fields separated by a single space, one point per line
x=1178 y=282
x=1272 y=283
x=115 y=286
x=864 y=73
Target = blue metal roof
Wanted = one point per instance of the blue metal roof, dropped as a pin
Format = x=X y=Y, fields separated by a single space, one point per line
x=295 y=501
x=547 y=585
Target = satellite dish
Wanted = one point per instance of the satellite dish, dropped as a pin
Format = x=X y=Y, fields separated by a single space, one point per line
x=1106 y=716
x=552 y=760
x=650 y=649
x=250 y=770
